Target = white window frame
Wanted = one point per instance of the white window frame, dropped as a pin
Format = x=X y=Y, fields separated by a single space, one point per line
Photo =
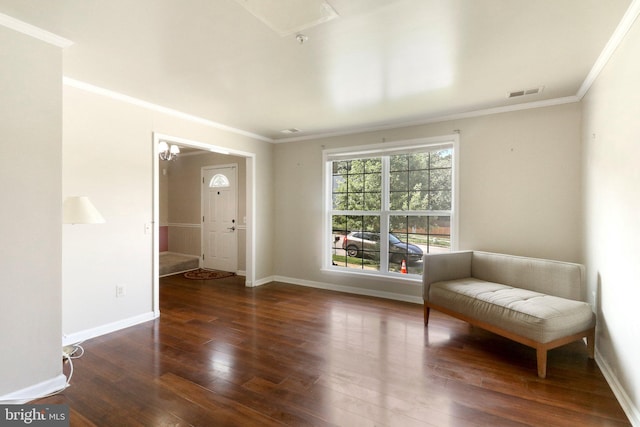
x=384 y=149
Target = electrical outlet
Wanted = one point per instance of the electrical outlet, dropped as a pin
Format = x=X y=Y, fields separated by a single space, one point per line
x=121 y=290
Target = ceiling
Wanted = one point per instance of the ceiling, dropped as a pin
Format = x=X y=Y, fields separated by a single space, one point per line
x=364 y=63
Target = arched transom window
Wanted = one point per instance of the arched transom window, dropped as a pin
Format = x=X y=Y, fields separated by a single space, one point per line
x=219 y=180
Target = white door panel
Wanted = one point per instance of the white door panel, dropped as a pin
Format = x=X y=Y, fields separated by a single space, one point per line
x=219 y=201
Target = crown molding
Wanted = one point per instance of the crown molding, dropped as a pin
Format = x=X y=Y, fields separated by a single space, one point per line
x=97 y=90
x=33 y=31
x=616 y=39
x=437 y=119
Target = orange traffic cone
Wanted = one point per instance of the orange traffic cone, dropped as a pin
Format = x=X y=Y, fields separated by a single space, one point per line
x=403 y=269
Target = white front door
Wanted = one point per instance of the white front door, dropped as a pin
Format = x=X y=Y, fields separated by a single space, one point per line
x=219 y=210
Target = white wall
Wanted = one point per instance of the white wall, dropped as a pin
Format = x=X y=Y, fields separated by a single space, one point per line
x=611 y=139
x=519 y=192
x=107 y=155
x=30 y=214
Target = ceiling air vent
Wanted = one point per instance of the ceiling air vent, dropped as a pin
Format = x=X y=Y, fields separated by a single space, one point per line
x=290 y=131
x=525 y=92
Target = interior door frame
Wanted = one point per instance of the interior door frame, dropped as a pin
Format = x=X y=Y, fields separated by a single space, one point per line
x=233 y=166
x=250 y=209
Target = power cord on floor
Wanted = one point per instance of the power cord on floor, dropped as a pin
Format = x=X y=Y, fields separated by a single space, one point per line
x=68 y=354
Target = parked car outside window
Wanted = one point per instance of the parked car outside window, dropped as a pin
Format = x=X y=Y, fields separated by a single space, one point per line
x=364 y=244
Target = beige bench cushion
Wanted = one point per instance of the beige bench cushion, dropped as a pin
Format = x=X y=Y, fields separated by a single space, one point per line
x=534 y=315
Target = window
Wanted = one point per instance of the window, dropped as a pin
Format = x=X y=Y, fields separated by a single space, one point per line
x=404 y=191
x=219 y=180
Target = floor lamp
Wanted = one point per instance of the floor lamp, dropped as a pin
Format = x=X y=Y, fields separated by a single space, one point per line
x=80 y=210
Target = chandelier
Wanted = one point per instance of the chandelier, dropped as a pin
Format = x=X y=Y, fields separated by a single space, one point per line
x=166 y=152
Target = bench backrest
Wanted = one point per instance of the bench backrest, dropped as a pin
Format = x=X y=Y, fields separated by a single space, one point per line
x=562 y=279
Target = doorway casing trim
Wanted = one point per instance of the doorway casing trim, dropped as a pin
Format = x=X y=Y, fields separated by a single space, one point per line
x=250 y=201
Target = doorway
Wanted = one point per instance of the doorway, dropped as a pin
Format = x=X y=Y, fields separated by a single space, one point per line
x=246 y=226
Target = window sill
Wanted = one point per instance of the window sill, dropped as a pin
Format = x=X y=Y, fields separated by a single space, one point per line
x=413 y=279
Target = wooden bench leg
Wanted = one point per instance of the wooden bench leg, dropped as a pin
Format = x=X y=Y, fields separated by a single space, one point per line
x=426 y=314
x=591 y=343
x=541 y=355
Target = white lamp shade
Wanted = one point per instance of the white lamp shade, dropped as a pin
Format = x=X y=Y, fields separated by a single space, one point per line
x=80 y=210
x=163 y=146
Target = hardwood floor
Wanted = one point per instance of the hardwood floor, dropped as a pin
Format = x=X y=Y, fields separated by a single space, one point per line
x=223 y=354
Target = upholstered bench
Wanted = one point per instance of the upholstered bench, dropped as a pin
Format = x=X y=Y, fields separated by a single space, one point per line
x=536 y=302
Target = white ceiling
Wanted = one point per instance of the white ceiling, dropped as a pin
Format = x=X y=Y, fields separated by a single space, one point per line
x=377 y=63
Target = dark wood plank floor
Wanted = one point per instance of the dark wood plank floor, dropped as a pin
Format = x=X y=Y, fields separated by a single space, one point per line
x=222 y=354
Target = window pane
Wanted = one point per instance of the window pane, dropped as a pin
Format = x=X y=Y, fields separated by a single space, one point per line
x=411 y=243
x=399 y=181
x=398 y=224
x=339 y=224
x=418 y=179
x=441 y=158
x=440 y=200
x=339 y=201
x=439 y=234
x=418 y=235
x=355 y=202
x=339 y=184
x=372 y=201
x=398 y=200
x=419 y=200
x=373 y=182
x=440 y=179
x=356 y=184
x=356 y=242
x=374 y=165
x=419 y=161
x=340 y=167
x=398 y=163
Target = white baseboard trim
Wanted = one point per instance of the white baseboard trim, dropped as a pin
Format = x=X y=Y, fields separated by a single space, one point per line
x=628 y=407
x=35 y=391
x=77 y=337
x=261 y=282
x=349 y=289
x=180 y=253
